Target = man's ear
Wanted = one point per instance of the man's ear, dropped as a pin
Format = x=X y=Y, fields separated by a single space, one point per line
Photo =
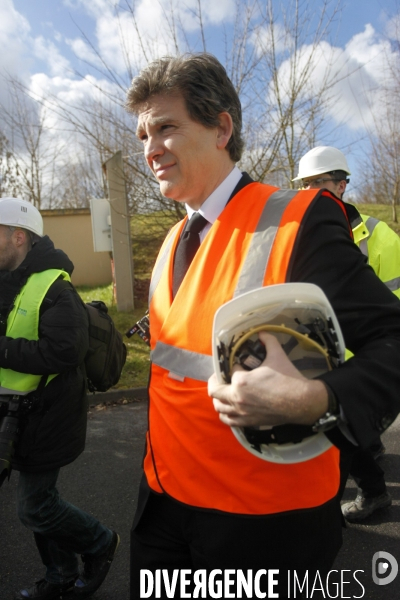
x=342 y=187
x=20 y=237
x=224 y=130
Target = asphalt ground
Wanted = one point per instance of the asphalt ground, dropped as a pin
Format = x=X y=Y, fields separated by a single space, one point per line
x=104 y=481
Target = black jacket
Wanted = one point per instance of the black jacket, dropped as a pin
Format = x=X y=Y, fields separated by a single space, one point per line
x=54 y=433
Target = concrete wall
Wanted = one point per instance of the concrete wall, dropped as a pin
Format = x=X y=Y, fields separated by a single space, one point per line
x=71 y=231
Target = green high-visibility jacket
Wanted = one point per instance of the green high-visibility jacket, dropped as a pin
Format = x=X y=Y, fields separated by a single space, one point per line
x=23 y=322
x=381 y=245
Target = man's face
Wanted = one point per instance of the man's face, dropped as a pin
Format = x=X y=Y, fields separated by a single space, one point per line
x=8 y=254
x=185 y=156
x=325 y=181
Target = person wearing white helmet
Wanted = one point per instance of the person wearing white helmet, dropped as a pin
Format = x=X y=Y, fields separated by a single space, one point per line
x=43 y=403
x=326 y=167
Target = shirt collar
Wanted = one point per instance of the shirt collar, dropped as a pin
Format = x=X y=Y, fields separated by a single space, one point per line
x=216 y=202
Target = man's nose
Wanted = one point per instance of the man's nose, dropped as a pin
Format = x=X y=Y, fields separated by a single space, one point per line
x=153 y=148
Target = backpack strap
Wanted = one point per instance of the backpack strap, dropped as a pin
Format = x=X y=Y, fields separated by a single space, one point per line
x=53 y=292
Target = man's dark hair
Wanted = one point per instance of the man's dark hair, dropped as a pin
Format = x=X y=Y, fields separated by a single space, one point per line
x=204 y=84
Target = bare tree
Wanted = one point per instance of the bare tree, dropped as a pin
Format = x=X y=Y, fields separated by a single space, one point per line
x=34 y=152
x=382 y=184
x=270 y=54
x=9 y=181
x=382 y=163
x=286 y=106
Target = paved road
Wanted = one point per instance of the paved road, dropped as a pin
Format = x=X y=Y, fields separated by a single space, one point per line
x=104 y=481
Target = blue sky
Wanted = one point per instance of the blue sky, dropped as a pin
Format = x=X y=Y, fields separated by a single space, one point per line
x=46 y=49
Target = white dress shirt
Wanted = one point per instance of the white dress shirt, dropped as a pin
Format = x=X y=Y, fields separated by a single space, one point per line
x=216 y=202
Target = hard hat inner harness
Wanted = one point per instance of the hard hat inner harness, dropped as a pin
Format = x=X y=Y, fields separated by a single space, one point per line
x=247 y=350
x=316 y=335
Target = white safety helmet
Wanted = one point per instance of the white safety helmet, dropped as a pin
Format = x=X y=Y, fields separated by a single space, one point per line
x=300 y=316
x=322 y=159
x=16 y=212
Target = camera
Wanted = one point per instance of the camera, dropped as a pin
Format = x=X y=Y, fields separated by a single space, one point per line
x=142 y=328
x=12 y=408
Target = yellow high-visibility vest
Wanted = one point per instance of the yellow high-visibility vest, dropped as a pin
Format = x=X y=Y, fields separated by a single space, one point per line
x=23 y=322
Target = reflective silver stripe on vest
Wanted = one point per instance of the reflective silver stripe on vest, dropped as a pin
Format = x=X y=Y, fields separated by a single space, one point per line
x=370 y=224
x=393 y=284
x=158 y=269
x=256 y=261
x=8 y=392
x=182 y=363
x=364 y=246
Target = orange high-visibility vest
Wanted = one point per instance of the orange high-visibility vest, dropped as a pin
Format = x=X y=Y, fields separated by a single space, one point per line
x=191 y=455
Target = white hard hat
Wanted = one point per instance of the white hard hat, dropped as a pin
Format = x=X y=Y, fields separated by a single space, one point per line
x=322 y=159
x=16 y=212
x=300 y=316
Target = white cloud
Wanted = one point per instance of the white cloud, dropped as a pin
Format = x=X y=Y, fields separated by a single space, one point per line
x=357 y=74
x=20 y=48
x=14 y=40
x=263 y=38
x=117 y=39
x=121 y=35
x=69 y=94
x=367 y=60
x=93 y=7
x=218 y=12
x=48 y=52
x=84 y=51
x=393 y=28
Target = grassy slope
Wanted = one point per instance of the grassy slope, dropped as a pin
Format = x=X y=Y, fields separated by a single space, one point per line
x=145 y=248
x=148 y=233
x=383 y=212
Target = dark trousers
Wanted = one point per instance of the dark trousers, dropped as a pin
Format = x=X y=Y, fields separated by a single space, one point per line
x=170 y=535
x=61 y=530
x=364 y=469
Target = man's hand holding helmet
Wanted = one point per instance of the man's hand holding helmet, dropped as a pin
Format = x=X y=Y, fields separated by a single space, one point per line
x=275 y=393
x=270 y=347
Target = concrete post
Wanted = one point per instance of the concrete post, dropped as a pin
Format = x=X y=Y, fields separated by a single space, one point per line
x=120 y=232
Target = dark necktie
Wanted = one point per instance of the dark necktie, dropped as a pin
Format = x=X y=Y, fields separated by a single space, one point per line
x=187 y=247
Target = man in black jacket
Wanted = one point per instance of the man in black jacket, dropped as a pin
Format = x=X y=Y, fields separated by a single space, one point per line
x=41 y=353
x=326 y=167
x=205 y=504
